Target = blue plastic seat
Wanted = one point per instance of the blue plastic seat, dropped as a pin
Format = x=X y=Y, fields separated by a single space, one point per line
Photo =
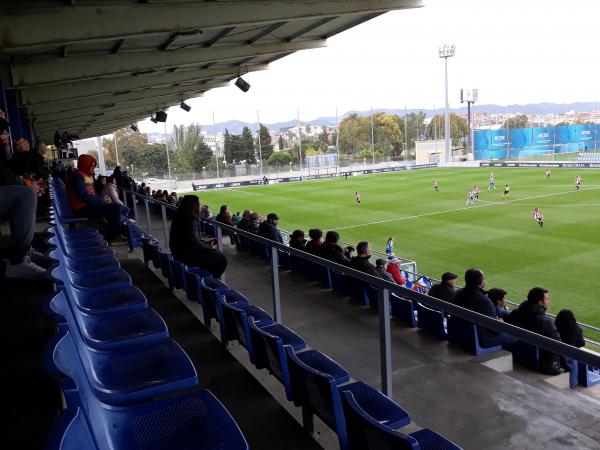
x=588 y=376
x=109 y=302
x=100 y=282
x=106 y=332
x=165 y=267
x=210 y=288
x=128 y=375
x=178 y=272
x=193 y=278
x=147 y=243
x=403 y=309
x=103 y=264
x=322 y=395
x=338 y=280
x=268 y=345
x=318 y=273
x=365 y=432
x=432 y=321
x=372 y=295
x=134 y=234
x=465 y=334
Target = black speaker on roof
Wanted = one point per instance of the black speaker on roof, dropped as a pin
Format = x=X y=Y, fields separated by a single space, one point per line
x=185 y=106
x=242 y=84
x=161 y=116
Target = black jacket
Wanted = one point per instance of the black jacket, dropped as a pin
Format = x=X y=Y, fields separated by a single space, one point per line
x=243 y=224
x=333 y=252
x=270 y=231
x=474 y=298
x=184 y=239
x=443 y=291
x=362 y=263
x=532 y=317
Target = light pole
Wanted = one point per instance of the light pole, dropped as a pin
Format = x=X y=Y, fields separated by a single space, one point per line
x=447 y=51
x=168 y=159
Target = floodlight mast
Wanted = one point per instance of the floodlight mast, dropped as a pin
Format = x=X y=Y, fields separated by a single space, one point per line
x=447 y=51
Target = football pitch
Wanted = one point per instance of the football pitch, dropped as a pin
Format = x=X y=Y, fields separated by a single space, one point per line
x=441 y=234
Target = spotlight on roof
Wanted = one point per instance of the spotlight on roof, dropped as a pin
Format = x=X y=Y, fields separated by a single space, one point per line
x=134 y=128
x=185 y=106
x=242 y=84
x=161 y=116
x=153 y=119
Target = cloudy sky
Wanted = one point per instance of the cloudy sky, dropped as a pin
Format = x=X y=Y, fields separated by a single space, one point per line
x=514 y=52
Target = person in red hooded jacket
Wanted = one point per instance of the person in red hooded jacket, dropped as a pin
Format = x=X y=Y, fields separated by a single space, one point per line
x=83 y=199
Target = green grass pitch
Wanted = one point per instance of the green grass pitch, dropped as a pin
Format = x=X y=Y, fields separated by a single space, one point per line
x=441 y=234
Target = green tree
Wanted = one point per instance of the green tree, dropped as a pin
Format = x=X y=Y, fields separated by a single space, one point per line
x=519 y=121
x=129 y=143
x=388 y=134
x=281 y=143
x=324 y=135
x=458 y=128
x=281 y=159
x=191 y=152
x=227 y=146
x=368 y=154
x=249 y=153
x=355 y=134
x=266 y=146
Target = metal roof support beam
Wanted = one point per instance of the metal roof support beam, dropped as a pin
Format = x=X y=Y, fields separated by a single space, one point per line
x=44 y=71
x=41 y=109
x=311 y=27
x=29 y=27
x=82 y=89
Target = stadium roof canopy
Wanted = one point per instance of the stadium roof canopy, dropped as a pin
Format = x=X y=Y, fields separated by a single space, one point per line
x=91 y=66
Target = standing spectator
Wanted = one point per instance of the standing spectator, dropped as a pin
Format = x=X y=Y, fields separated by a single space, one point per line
x=297 y=240
x=316 y=241
x=531 y=315
x=381 y=267
x=361 y=260
x=446 y=289
x=268 y=228
x=394 y=270
x=185 y=243
x=498 y=298
x=331 y=250
x=473 y=297
x=84 y=202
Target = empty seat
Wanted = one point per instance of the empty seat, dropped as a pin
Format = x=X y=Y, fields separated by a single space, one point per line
x=403 y=309
x=464 y=333
x=367 y=433
x=109 y=302
x=526 y=354
x=588 y=376
x=210 y=288
x=432 y=321
x=190 y=285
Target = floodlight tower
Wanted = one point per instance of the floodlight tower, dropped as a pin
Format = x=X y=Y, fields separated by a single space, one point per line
x=447 y=51
x=470 y=96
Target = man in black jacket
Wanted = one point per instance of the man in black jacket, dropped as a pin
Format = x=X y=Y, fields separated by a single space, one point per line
x=361 y=260
x=531 y=315
x=268 y=228
x=445 y=290
x=473 y=297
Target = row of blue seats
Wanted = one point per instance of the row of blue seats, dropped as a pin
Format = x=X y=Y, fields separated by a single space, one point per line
x=121 y=375
x=414 y=313
x=362 y=417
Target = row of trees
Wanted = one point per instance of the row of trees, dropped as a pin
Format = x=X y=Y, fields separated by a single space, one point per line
x=244 y=147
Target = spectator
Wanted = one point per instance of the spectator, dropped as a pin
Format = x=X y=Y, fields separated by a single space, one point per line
x=361 y=260
x=118 y=176
x=268 y=228
x=110 y=194
x=498 y=298
x=224 y=216
x=297 y=240
x=236 y=218
x=332 y=250
x=381 y=267
x=20 y=159
x=99 y=184
x=394 y=270
x=473 y=297
x=142 y=189
x=185 y=243
x=173 y=198
x=253 y=223
x=570 y=333
x=316 y=241
x=531 y=315
x=85 y=203
x=244 y=220
x=446 y=289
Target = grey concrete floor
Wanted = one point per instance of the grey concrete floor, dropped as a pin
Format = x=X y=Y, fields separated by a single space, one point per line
x=442 y=387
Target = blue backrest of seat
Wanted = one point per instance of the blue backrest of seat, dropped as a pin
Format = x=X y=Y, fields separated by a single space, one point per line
x=432 y=321
x=403 y=309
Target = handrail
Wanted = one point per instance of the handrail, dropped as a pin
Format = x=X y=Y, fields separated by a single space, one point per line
x=558 y=347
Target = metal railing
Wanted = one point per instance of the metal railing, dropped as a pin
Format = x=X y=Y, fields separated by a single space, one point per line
x=384 y=289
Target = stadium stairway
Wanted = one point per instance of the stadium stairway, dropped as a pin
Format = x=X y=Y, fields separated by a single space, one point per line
x=442 y=386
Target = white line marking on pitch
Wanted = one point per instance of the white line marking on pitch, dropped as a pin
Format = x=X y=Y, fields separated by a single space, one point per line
x=460 y=209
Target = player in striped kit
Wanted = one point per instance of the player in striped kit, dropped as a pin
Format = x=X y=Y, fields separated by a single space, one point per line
x=539 y=218
x=577 y=182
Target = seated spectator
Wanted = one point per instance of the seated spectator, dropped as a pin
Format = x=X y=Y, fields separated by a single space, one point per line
x=498 y=298
x=566 y=325
x=446 y=289
x=381 y=267
x=297 y=240
x=253 y=223
x=224 y=216
x=85 y=203
x=332 y=250
x=393 y=269
x=268 y=228
x=110 y=194
x=316 y=241
x=244 y=220
x=531 y=315
x=473 y=297
x=185 y=243
x=147 y=191
x=142 y=189
x=361 y=260
x=99 y=184
x=153 y=193
x=236 y=218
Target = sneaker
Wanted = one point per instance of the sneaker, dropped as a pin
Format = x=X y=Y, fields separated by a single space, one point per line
x=26 y=270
